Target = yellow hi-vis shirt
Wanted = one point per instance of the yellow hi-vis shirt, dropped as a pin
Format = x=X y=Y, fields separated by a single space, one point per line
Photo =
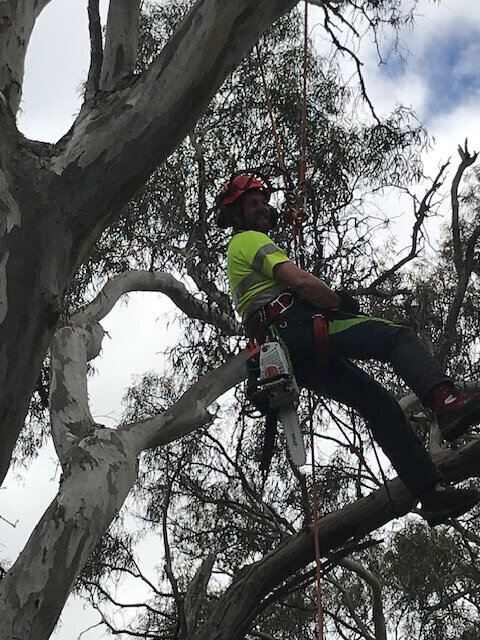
x=250 y=261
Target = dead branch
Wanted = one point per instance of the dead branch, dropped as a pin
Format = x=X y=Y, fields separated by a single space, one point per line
x=467 y=159
x=420 y=215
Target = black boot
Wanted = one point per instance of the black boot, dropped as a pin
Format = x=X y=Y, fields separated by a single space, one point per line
x=443 y=501
x=456 y=411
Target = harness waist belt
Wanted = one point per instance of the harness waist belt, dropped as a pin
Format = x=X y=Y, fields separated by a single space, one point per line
x=263 y=318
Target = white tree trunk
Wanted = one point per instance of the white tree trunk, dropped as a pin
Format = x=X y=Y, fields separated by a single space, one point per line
x=93 y=487
x=55 y=200
x=99 y=465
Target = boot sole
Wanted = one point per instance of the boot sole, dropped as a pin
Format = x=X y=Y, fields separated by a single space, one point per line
x=462 y=424
x=441 y=517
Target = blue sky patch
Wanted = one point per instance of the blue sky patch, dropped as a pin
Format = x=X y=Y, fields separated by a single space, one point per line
x=450 y=66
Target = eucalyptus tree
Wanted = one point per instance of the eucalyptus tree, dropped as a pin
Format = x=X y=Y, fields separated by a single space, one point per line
x=57 y=199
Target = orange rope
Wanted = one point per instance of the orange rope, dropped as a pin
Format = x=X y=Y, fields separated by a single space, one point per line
x=301 y=211
x=297 y=219
x=301 y=214
x=268 y=100
x=318 y=557
x=303 y=136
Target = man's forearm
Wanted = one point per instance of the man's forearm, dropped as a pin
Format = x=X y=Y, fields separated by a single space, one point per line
x=315 y=291
x=306 y=285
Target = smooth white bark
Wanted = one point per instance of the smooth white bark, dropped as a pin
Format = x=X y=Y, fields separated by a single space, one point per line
x=99 y=468
x=72 y=349
x=163 y=283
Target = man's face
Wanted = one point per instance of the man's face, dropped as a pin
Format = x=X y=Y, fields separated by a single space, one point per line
x=256 y=213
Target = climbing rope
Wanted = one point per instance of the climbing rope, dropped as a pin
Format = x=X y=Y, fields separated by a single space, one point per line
x=297 y=209
x=298 y=232
x=271 y=115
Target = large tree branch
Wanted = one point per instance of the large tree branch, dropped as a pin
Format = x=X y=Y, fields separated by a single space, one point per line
x=121 y=42
x=75 y=345
x=163 y=283
x=243 y=600
x=116 y=143
x=191 y=410
x=16 y=24
x=72 y=349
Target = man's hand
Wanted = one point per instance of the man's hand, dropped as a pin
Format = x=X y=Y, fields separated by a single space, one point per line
x=348 y=303
x=307 y=286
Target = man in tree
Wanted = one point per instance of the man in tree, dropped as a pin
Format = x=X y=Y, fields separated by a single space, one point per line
x=323 y=330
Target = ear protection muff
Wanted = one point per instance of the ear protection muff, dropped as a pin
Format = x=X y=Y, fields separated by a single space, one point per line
x=274 y=216
x=223 y=218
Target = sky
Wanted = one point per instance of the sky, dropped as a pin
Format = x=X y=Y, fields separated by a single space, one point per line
x=440 y=80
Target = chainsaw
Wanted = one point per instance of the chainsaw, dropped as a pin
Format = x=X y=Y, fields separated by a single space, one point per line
x=272 y=388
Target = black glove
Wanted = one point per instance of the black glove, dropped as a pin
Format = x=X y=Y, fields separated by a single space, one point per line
x=348 y=303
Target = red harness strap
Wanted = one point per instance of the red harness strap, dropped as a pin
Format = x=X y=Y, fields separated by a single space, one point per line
x=318 y=379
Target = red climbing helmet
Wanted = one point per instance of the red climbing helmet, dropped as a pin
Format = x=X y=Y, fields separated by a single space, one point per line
x=236 y=187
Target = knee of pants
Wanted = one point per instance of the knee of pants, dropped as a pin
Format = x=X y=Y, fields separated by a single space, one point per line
x=402 y=334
